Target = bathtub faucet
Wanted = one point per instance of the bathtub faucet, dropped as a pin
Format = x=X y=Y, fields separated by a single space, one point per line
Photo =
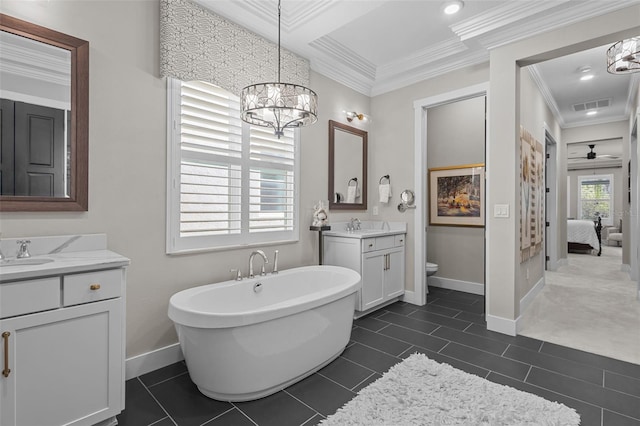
x=265 y=261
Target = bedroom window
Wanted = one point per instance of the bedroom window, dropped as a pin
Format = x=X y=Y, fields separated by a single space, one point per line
x=596 y=198
x=228 y=184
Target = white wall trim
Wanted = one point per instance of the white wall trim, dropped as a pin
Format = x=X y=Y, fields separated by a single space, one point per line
x=528 y=298
x=150 y=361
x=502 y=325
x=420 y=150
x=410 y=297
x=459 y=285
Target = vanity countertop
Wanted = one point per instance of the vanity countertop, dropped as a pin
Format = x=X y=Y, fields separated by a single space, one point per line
x=61 y=263
x=367 y=229
x=59 y=255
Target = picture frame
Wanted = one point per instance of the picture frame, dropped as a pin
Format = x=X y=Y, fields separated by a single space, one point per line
x=457 y=195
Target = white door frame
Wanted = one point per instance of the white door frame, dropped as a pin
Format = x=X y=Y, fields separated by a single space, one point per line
x=634 y=229
x=551 y=176
x=420 y=107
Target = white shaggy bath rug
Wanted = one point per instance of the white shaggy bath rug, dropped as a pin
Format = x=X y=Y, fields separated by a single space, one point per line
x=420 y=391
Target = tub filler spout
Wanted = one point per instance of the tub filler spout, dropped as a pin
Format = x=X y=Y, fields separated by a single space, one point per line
x=264 y=262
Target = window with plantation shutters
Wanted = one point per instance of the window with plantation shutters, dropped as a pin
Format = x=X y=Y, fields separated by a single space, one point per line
x=229 y=184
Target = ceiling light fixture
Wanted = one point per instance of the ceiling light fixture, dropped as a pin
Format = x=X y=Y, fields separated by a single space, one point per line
x=586 y=77
x=452 y=7
x=351 y=115
x=624 y=56
x=278 y=105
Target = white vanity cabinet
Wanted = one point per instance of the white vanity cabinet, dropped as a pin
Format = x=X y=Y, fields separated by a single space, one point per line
x=380 y=261
x=62 y=348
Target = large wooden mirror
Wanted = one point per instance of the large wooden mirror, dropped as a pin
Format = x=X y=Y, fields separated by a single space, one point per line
x=44 y=91
x=347 y=167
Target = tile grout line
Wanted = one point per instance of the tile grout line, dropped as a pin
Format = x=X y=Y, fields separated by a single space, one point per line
x=156 y=400
x=305 y=404
x=528 y=372
x=331 y=380
x=362 y=381
x=158 y=421
x=166 y=380
x=233 y=407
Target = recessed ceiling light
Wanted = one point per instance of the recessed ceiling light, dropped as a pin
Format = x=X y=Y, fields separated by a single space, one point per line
x=452 y=7
x=592 y=112
x=586 y=77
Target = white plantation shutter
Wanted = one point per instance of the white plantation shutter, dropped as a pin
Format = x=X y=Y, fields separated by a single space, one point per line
x=229 y=184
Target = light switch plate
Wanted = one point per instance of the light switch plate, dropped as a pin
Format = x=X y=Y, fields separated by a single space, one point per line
x=501 y=210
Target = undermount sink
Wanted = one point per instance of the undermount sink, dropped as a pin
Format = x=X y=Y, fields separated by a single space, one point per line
x=23 y=262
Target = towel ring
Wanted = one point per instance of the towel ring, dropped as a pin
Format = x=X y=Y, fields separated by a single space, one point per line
x=355 y=180
x=383 y=178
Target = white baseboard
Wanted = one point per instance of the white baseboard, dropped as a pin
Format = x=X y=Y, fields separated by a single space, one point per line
x=528 y=298
x=411 y=297
x=451 y=284
x=150 y=361
x=502 y=325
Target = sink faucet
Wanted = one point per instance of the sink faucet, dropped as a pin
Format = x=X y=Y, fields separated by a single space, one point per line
x=353 y=225
x=23 y=251
x=265 y=261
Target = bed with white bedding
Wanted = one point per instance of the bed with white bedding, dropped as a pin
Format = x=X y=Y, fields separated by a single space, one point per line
x=584 y=235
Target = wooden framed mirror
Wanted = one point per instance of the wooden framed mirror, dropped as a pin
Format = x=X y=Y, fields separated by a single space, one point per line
x=347 y=167
x=45 y=118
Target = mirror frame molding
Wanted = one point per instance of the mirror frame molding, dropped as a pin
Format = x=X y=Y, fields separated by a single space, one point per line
x=78 y=199
x=333 y=125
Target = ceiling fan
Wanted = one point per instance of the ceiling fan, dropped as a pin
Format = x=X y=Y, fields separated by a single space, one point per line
x=591 y=155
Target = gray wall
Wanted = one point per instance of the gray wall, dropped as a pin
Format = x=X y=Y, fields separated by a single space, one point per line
x=456 y=136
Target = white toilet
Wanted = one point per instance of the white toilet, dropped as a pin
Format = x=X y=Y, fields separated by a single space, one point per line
x=431 y=268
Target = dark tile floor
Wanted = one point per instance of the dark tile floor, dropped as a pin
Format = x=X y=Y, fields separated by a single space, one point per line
x=450 y=328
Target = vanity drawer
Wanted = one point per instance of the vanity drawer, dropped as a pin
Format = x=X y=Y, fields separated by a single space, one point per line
x=25 y=297
x=368 y=244
x=385 y=242
x=399 y=240
x=91 y=287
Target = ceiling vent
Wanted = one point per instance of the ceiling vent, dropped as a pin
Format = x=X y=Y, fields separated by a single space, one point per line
x=586 y=106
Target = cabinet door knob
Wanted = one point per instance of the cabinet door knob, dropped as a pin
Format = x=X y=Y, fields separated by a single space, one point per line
x=95 y=287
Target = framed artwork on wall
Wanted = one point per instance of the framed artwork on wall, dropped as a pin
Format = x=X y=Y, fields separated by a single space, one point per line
x=456 y=195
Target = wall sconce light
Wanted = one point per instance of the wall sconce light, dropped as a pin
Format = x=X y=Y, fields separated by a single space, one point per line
x=351 y=115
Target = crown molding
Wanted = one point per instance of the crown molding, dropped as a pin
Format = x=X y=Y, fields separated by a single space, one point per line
x=534 y=72
x=295 y=15
x=35 y=65
x=433 y=70
x=342 y=74
x=499 y=17
x=345 y=56
x=421 y=58
x=561 y=17
x=596 y=121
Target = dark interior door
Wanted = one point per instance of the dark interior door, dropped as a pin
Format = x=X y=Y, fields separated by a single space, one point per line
x=6 y=147
x=39 y=151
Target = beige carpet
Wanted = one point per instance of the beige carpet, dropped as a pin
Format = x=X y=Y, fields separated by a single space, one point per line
x=588 y=304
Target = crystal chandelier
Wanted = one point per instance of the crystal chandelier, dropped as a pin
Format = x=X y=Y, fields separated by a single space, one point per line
x=624 y=56
x=278 y=105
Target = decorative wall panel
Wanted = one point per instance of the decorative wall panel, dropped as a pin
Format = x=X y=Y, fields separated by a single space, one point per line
x=531 y=195
x=197 y=44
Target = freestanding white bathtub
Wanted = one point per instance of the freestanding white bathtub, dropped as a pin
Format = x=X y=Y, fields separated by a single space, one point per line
x=244 y=340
